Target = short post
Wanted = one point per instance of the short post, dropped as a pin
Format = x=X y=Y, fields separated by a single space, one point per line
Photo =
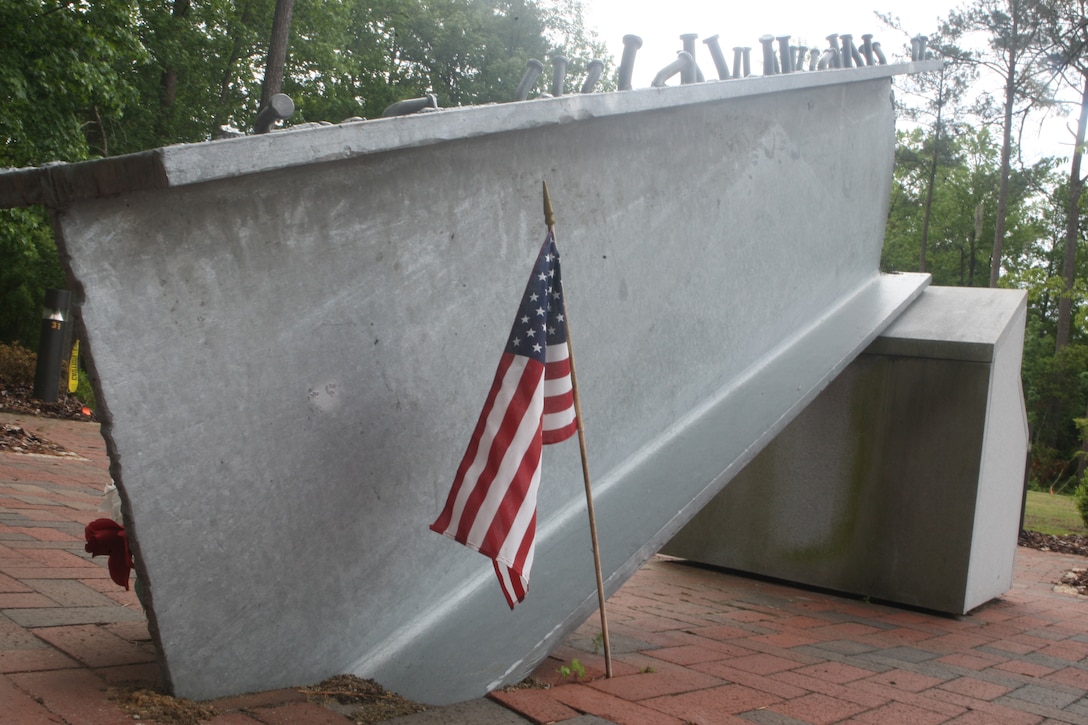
x=51 y=344
x=631 y=44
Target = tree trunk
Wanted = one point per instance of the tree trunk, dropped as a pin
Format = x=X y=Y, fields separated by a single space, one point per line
x=932 y=181
x=169 y=86
x=1006 y=153
x=101 y=130
x=980 y=215
x=1072 y=229
x=233 y=31
x=277 y=51
x=168 y=81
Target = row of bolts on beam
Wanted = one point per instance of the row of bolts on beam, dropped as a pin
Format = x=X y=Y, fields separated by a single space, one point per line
x=841 y=53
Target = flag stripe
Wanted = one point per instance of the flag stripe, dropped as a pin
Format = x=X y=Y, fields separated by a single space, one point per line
x=503 y=538
x=559 y=418
x=514 y=439
x=478 y=449
x=560 y=427
x=453 y=508
x=500 y=433
x=517 y=462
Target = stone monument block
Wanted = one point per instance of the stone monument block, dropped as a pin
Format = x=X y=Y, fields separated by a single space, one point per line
x=903 y=480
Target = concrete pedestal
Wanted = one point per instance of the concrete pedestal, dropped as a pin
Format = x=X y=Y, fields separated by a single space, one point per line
x=903 y=480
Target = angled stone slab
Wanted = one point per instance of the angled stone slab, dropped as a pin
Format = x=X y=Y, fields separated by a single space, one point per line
x=292 y=336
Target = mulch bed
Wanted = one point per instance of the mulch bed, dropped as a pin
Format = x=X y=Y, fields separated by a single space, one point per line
x=1076 y=579
x=19 y=399
x=1071 y=544
x=16 y=439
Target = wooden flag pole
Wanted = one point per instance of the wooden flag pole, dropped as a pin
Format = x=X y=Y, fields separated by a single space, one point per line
x=549 y=220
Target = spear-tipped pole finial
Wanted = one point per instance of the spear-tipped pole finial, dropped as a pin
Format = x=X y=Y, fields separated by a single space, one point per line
x=549 y=214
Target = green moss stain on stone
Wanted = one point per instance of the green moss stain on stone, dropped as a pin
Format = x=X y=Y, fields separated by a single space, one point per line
x=860 y=402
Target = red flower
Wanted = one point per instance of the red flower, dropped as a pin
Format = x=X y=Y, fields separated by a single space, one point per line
x=105 y=536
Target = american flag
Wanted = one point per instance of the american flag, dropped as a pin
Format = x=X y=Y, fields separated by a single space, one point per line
x=492 y=505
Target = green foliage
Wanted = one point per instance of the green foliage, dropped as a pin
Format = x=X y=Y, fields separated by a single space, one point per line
x=28 y=267
x=81 y=80
x=17 y=364
x=1080 y=499
x=1008 y=39
x=84 y=392
x=966 y=180
x=463 y=51
x=951 y=168
x=117 y=76
x=575 y=670
x=1056 y=390
x=63 y=69
x=64 y=72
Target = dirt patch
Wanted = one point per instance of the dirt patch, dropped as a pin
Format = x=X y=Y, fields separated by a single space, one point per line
x=365 y=701
x=142 y=704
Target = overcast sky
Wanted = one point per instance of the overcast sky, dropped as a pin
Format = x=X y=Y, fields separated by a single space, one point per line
x=660 y=25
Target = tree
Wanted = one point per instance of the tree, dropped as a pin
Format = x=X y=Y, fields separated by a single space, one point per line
x=937 y=101
x=1055 y=383
x=941 y=95
x=965 y=181
x=28 y=267
x=463 y=51
x=277 y=51
x=1063 y=22
x=60 y=77
x=565 y=29
x=1014 y=40
x=1072 y=227
x=109 y=77
x=60 y=81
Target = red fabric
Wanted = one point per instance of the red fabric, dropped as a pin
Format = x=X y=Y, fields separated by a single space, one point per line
x=107 y=537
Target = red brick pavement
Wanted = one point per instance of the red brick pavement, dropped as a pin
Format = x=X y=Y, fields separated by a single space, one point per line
x=690 y=645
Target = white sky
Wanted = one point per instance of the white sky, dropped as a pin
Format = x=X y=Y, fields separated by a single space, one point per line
x=660 y=25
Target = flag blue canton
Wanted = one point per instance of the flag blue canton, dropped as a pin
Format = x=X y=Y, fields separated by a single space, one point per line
x=540 y=320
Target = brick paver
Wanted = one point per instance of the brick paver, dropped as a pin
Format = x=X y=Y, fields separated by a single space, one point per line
x=690 y=644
